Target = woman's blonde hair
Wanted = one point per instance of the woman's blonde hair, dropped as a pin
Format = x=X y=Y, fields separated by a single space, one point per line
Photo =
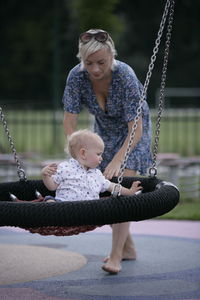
x=81 y=139
x=86 y=49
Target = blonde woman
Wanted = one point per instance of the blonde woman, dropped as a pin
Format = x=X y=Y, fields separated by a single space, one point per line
x=110 y=90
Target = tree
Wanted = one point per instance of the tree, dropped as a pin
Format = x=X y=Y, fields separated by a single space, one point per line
x=28 y=48
x=96 y=14
x=39 y=42
x=142 y=19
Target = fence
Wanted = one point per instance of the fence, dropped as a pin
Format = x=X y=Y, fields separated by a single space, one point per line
x=40 y=132
x=180 y=131
x=38 y=136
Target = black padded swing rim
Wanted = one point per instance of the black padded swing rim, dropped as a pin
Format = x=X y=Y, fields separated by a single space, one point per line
x=152 y=203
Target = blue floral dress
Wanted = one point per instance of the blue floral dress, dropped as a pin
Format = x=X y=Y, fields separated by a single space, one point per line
x=121 y=105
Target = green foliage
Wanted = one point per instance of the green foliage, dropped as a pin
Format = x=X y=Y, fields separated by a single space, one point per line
x=96 y=14
x=142 y=19
x=28 y=47
x=39 y=42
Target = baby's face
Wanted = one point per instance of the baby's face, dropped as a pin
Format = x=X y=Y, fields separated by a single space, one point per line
x=93 y=154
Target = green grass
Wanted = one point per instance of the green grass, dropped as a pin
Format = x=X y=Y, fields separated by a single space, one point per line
x=180 y=137
x=184 y=211
x=39 y=132
x=42 y=132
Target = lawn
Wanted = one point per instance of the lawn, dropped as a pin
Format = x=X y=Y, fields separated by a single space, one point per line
x=42 y=131
x=184 y=211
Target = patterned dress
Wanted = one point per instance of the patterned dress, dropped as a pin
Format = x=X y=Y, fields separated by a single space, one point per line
x=121 y=105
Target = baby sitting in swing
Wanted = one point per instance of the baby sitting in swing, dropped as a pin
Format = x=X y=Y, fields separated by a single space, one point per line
x=79 y=178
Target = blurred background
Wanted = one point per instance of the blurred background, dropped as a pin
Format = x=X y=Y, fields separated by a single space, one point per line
x=39 y=42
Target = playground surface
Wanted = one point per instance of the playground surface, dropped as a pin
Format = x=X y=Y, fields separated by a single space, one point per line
x=35 y=267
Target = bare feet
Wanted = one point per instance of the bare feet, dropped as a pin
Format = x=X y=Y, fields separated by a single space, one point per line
x=51 y=200
x=128 y=254
x=122 y=248
x=124 y=258
x=112 y=267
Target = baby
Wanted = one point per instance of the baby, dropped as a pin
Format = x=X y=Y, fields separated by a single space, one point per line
x=79 y=178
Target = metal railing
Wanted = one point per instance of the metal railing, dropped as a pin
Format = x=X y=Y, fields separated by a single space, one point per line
x=40 y=132
x=38 y=136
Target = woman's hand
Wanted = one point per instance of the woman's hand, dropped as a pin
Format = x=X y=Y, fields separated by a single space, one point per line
x=49 y=170
x=112 y=169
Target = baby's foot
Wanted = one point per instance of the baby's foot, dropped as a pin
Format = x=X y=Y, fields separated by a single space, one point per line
x=50 y=200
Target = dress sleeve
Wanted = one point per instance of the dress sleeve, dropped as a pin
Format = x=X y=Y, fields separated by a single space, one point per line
x=133 y=92
x=72 y=92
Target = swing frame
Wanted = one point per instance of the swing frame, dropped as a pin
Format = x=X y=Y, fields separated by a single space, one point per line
x=158 y=197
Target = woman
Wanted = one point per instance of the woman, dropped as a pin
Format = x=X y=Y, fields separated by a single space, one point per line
x=110 y=90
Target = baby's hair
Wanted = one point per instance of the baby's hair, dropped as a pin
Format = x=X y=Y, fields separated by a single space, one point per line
x=79 y=139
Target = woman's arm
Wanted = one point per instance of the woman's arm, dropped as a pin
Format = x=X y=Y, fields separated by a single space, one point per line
x=113 y=167
x=69 y=123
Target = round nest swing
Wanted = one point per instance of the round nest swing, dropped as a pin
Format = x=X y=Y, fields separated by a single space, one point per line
x=158 y=197
x=72 y=217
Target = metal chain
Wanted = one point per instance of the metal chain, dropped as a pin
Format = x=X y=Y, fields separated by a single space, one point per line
x=20 y=170
x=144 y=91
x=153 y=169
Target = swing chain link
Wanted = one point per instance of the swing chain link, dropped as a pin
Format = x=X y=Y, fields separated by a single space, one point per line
x=153 y=169
x=20 y=170
x=146 y=84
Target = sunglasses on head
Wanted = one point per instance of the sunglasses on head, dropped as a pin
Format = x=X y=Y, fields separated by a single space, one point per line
x=100 y=36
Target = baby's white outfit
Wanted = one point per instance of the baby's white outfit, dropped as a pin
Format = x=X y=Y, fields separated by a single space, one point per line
x=77 y=183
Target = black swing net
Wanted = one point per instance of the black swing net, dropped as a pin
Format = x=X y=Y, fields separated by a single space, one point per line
x=72 y=217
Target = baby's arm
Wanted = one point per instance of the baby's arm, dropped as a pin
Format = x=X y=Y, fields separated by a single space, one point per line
x=47 y=172
x=125 y=191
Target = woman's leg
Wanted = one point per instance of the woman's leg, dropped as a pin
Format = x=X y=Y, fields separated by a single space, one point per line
x=129 y=249
x=120 y=234
x=129 y=252
x=122 y=243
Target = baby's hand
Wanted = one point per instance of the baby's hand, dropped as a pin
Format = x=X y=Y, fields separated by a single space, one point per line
x=49 y=170
x=136 y=186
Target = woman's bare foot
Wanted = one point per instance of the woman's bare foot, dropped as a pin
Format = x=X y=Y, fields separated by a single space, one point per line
x=112 y=266
x=129 y=253
x=126 y=256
